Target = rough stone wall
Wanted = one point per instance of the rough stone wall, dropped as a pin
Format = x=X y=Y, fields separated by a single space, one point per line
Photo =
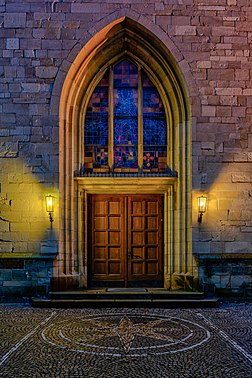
x=24 y=277
x=38 y=38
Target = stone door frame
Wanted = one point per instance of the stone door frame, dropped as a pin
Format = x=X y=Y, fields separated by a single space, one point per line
x=130 y=39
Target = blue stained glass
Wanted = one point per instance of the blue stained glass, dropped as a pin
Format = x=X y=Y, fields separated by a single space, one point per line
x=154 y=131
x=125 y=74
x=125 y=101
x=125 y=112
x=152 y=101
x=125 y=124
x=125 y=157
x=96 y=130
x=125 y=131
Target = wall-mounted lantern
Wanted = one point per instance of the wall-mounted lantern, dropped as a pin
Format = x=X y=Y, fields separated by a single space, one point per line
x=201 y=207
x=50 y=206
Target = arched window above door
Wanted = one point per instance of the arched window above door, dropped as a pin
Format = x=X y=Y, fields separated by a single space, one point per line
x=87 y=99
x=125 y=125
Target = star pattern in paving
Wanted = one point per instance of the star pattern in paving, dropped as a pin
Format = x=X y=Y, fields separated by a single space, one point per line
x=126 y=331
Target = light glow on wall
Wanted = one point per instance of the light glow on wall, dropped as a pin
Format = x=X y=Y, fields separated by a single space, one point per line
x=24 y=220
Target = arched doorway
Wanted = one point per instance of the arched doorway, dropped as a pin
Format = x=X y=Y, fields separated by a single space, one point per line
x=128 y=159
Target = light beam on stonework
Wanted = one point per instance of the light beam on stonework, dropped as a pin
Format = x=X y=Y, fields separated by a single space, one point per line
x=25 y=228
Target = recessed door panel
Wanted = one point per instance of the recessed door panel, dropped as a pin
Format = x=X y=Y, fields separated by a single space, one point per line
x=106 y=239
x=145 y=244
x=126 y=240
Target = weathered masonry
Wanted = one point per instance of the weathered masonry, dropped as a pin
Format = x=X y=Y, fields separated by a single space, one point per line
x=126 y=145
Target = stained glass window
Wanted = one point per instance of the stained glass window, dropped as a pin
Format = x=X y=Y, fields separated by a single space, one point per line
x=135 y=117
x=154 y=129
x=96 y=129
x=125 y=116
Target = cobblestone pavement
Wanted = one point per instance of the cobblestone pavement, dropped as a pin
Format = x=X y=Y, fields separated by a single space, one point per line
x=149 y=343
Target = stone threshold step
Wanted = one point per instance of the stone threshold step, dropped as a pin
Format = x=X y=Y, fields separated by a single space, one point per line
x=126 y=294
x=168 y=303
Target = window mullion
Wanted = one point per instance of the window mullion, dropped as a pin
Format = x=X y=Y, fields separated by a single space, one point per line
x=111 y=120
x=140 y=120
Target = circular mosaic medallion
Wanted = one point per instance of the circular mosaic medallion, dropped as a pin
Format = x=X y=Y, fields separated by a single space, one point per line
x=126 y=334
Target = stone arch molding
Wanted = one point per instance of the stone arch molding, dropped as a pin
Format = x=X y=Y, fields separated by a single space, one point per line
x=124 y=37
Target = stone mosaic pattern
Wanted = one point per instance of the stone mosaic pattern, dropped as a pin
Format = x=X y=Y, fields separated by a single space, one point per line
x=126 y=342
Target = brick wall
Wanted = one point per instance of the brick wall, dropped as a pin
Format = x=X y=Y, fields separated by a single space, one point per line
x=39 y=39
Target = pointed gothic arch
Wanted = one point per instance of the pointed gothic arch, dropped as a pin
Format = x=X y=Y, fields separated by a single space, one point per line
x=123 y=38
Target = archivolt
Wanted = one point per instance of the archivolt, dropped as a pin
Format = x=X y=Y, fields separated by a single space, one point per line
x=123 y=38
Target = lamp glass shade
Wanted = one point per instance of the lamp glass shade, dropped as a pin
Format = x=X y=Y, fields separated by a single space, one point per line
x=202 y=204
x=49 y=204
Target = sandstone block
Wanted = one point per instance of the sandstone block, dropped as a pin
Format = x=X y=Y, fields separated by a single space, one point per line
x=207 y=145
x=51 y=44
x=71 y=24
x=14 y=20
x=8 y=149
x=19 y=274
x=241 y=157
x=5 y=274
x=85 y=8
x=223 y=30
x=246 y=229
x=229 y=91
x=16 y=283
x=219 y=147
x=201 y=247
x=242 y=74
x=4 y=132
x=238 y=111
x=223 y=111
x=10 y=72
x=204 y=64
x=184 y=30
x=159 y=6
x=208 y=111
x=228 y=100
x=240 y=40
x=16 y=7
x=247 y=92
x=30 y=87
x=238 y=247
x=45 y=72
x=12 y=43
x=212 y=7
x=181 y=20
x=7 y=54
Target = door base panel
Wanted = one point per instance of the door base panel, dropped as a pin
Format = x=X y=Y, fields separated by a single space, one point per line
x=118 y=284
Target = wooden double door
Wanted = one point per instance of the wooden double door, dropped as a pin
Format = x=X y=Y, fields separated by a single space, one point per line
x=125 y=240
